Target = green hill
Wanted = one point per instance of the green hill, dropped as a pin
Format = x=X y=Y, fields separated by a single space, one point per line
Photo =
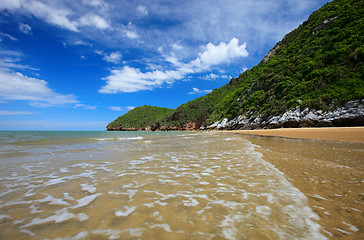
x=317 y=66
x=140 y=118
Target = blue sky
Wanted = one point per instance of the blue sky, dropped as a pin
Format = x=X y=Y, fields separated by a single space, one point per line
x=78 y=65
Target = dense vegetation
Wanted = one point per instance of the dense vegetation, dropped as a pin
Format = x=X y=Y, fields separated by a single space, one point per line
x=141 y=117
x=319 y=65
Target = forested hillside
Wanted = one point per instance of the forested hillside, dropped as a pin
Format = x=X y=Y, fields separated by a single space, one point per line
x=317 y=66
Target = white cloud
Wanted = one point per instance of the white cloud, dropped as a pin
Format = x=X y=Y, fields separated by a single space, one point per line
x=10 y=4
x=92 y=20
x=25 y=28
x=116 y=109
x=222 y=53
x=88 y=107
x=57 y=16
x=142 y=9
x=129 y=31
x=7 y=36
x=129 y=79
x=176 y=46
x=59 y=13
x=213 y=76
x=121 y=109
x=114 y=57
x=16 y=86
x=80 y=43
x=10 y=59
x=2 y=113
x=93 y=3
x=198 y=91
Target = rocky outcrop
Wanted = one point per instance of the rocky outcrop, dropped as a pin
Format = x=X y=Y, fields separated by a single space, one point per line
x=351 y=114
x=271 y=53
x=324 y=24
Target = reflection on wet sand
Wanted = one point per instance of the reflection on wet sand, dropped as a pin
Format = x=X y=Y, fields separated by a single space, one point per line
x=330 y=174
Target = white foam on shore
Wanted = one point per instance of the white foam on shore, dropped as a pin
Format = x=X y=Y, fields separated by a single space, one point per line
x=164 y=226
x=131 y=138
x=127 y=212
x=319 y=197
x=53 y=201
x=60 y=216
x=109 y=233
x=351 y=227
x=104 y=139
x=86 y=201
x=30 y=233
x=88 y=188
x=191 y=202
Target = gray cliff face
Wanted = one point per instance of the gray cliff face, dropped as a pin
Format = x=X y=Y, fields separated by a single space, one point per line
x=351 y=114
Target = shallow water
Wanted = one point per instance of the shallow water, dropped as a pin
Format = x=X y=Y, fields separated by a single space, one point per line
x=142 y=185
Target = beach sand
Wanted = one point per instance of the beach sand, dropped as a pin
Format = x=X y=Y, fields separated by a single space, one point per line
x=339 y=134
x=330 y=173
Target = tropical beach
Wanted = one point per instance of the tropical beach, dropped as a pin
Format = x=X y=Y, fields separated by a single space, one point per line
x=327 y=165
x=188 y=119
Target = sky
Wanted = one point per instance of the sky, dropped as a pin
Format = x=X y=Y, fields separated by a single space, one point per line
x=78 y=65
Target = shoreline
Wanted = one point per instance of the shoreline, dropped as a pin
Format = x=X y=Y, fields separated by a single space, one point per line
x=327 y=165
x=336 y=134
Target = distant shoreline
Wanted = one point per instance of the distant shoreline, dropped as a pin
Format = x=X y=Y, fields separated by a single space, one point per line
x=337 y=134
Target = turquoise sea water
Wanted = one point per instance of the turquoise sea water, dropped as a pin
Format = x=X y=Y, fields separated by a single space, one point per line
x=145 y=185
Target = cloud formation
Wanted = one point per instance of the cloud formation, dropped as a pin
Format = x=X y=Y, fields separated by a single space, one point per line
x=57 y=13
x=6 y=113
x=198 y=91
x=85 y=106
x=25 y=28
x=142 y=9
x=114 y=57
x=121 y=109
x=6 y=35
x=16 y=86
x=129 y=79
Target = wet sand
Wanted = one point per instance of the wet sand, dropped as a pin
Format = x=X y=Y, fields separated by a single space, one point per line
x=329 y=173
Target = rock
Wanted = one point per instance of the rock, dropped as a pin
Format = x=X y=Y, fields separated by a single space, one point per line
x=271 y=53
x=194 y=125
x=324 y=24
x=351 y=114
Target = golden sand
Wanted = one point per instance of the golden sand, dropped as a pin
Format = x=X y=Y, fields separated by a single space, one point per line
x=330 y=174
x=341 y=134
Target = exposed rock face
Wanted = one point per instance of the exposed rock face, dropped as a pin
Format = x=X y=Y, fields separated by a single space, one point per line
x=270 y=54
x=351 y=114
x=324 y=24
x=194 y=125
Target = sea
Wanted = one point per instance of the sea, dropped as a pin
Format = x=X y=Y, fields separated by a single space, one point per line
x=145 y=185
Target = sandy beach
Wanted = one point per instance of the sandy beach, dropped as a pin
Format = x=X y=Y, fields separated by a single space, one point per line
x=330 y=172
x=339 y=134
